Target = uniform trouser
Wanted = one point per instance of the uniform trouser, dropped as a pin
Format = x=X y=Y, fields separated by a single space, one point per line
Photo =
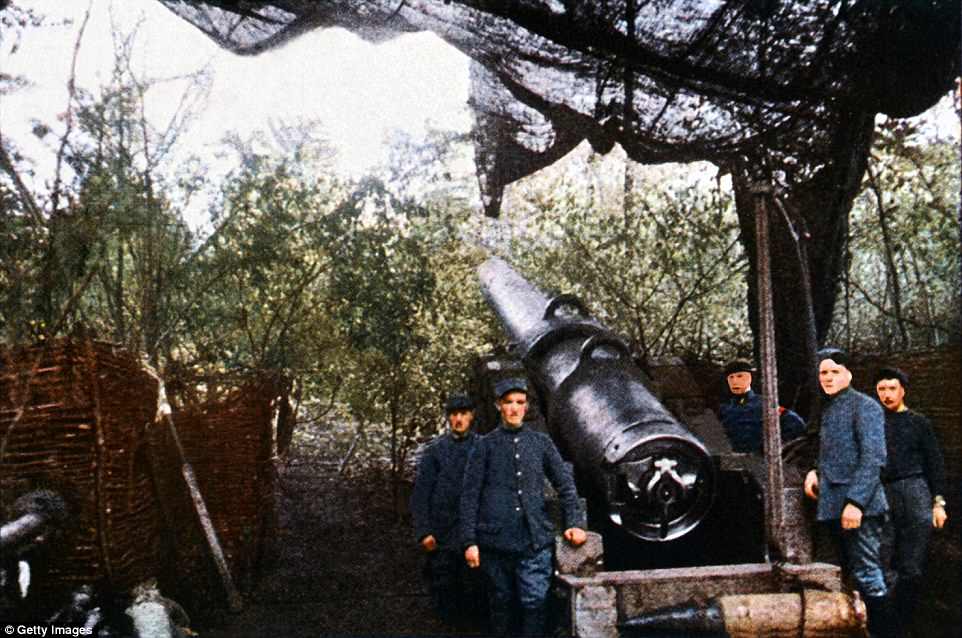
x=908 y=534
x=861 y=554
x=523 y=577
x=448 y=577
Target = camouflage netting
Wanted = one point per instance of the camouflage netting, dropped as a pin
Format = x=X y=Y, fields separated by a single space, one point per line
x=669 y=80
x=74 y=417
x=780 y=93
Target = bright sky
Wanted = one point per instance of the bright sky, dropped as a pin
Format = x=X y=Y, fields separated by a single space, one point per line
x=359 y=91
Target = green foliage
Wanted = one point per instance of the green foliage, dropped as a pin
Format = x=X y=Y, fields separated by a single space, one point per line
x=101 y=248
x=398 y=295
x=380 y=274
x=362 y=298
x=257 y=285
x=903 y=275
x=653 y=253
x=339 y=291
x=19 y=267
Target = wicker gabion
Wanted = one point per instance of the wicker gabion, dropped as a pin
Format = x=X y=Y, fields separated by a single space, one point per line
x=74 y=415
x=80 y=417
x=225 y=427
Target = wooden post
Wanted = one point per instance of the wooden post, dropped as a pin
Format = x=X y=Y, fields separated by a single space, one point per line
x=234 y=600
x=774 y=495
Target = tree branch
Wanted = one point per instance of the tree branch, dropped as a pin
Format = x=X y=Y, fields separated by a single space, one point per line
x=71 y=97
x=26 y=197
x=888 y=313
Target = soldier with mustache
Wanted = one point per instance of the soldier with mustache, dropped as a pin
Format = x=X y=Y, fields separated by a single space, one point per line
x=914 y=480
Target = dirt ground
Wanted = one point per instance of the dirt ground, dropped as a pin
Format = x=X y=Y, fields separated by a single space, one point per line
x=344 y=565
x=940 y=613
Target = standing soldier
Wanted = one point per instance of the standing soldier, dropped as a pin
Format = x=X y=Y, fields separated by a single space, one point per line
x=435 y=506
x=505 y=528
x=848 y=486
x=913 y=473
x=741 y=412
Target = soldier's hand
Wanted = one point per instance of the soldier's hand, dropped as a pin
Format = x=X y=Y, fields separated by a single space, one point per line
x=851 y=517
x=576 y=536
x=429 y=543
x=938 y=517
x=811 y=484
x=472 y=556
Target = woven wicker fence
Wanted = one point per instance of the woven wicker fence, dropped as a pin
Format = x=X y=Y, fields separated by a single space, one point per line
x=78 y=416
x=73 y=417
x=226 y=435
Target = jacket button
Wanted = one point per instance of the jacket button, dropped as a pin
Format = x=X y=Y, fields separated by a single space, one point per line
x=517 y=509
x=517 y=456
x=519 y=473
x=519 y=491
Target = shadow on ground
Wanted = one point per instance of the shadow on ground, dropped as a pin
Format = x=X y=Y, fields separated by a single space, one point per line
x=344 y=565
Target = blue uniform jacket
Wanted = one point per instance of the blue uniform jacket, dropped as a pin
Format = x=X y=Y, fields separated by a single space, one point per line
x=741 y=416
x=502 y=503
x=851 y=455
x=435 y=503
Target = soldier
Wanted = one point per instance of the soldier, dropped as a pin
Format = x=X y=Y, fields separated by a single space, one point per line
x=741 y=412
x=847 y=483
x=435 y=507
x=913 y=473
x=505 y=529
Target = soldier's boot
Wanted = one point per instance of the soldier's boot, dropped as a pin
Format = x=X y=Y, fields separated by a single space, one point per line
x=533 y=622
x=500 y=621
x=447 y=609
x=906 y=600
x=882 y=621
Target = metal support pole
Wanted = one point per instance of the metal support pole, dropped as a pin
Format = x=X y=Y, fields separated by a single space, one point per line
x=774 y=495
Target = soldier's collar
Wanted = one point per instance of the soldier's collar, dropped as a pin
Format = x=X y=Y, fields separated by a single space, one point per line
x=842 y=392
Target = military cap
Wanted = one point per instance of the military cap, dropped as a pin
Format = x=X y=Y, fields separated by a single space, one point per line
x=892 y=373
x=837 y=355
x=738 y=365
x=458 y=401
x=511 y=384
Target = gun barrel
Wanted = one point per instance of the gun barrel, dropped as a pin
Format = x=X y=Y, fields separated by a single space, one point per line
x=21 y=531
x=519 y=305
x=40 y=513
x=657 y=478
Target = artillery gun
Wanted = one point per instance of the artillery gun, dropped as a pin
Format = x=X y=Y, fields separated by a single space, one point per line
x=650 y=481
x=680 y=522
x=656 y=478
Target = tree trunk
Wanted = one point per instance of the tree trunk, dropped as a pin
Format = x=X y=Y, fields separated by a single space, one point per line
x=120 y=326
x=287 y=417
x=822 y=200
x=893 y=273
